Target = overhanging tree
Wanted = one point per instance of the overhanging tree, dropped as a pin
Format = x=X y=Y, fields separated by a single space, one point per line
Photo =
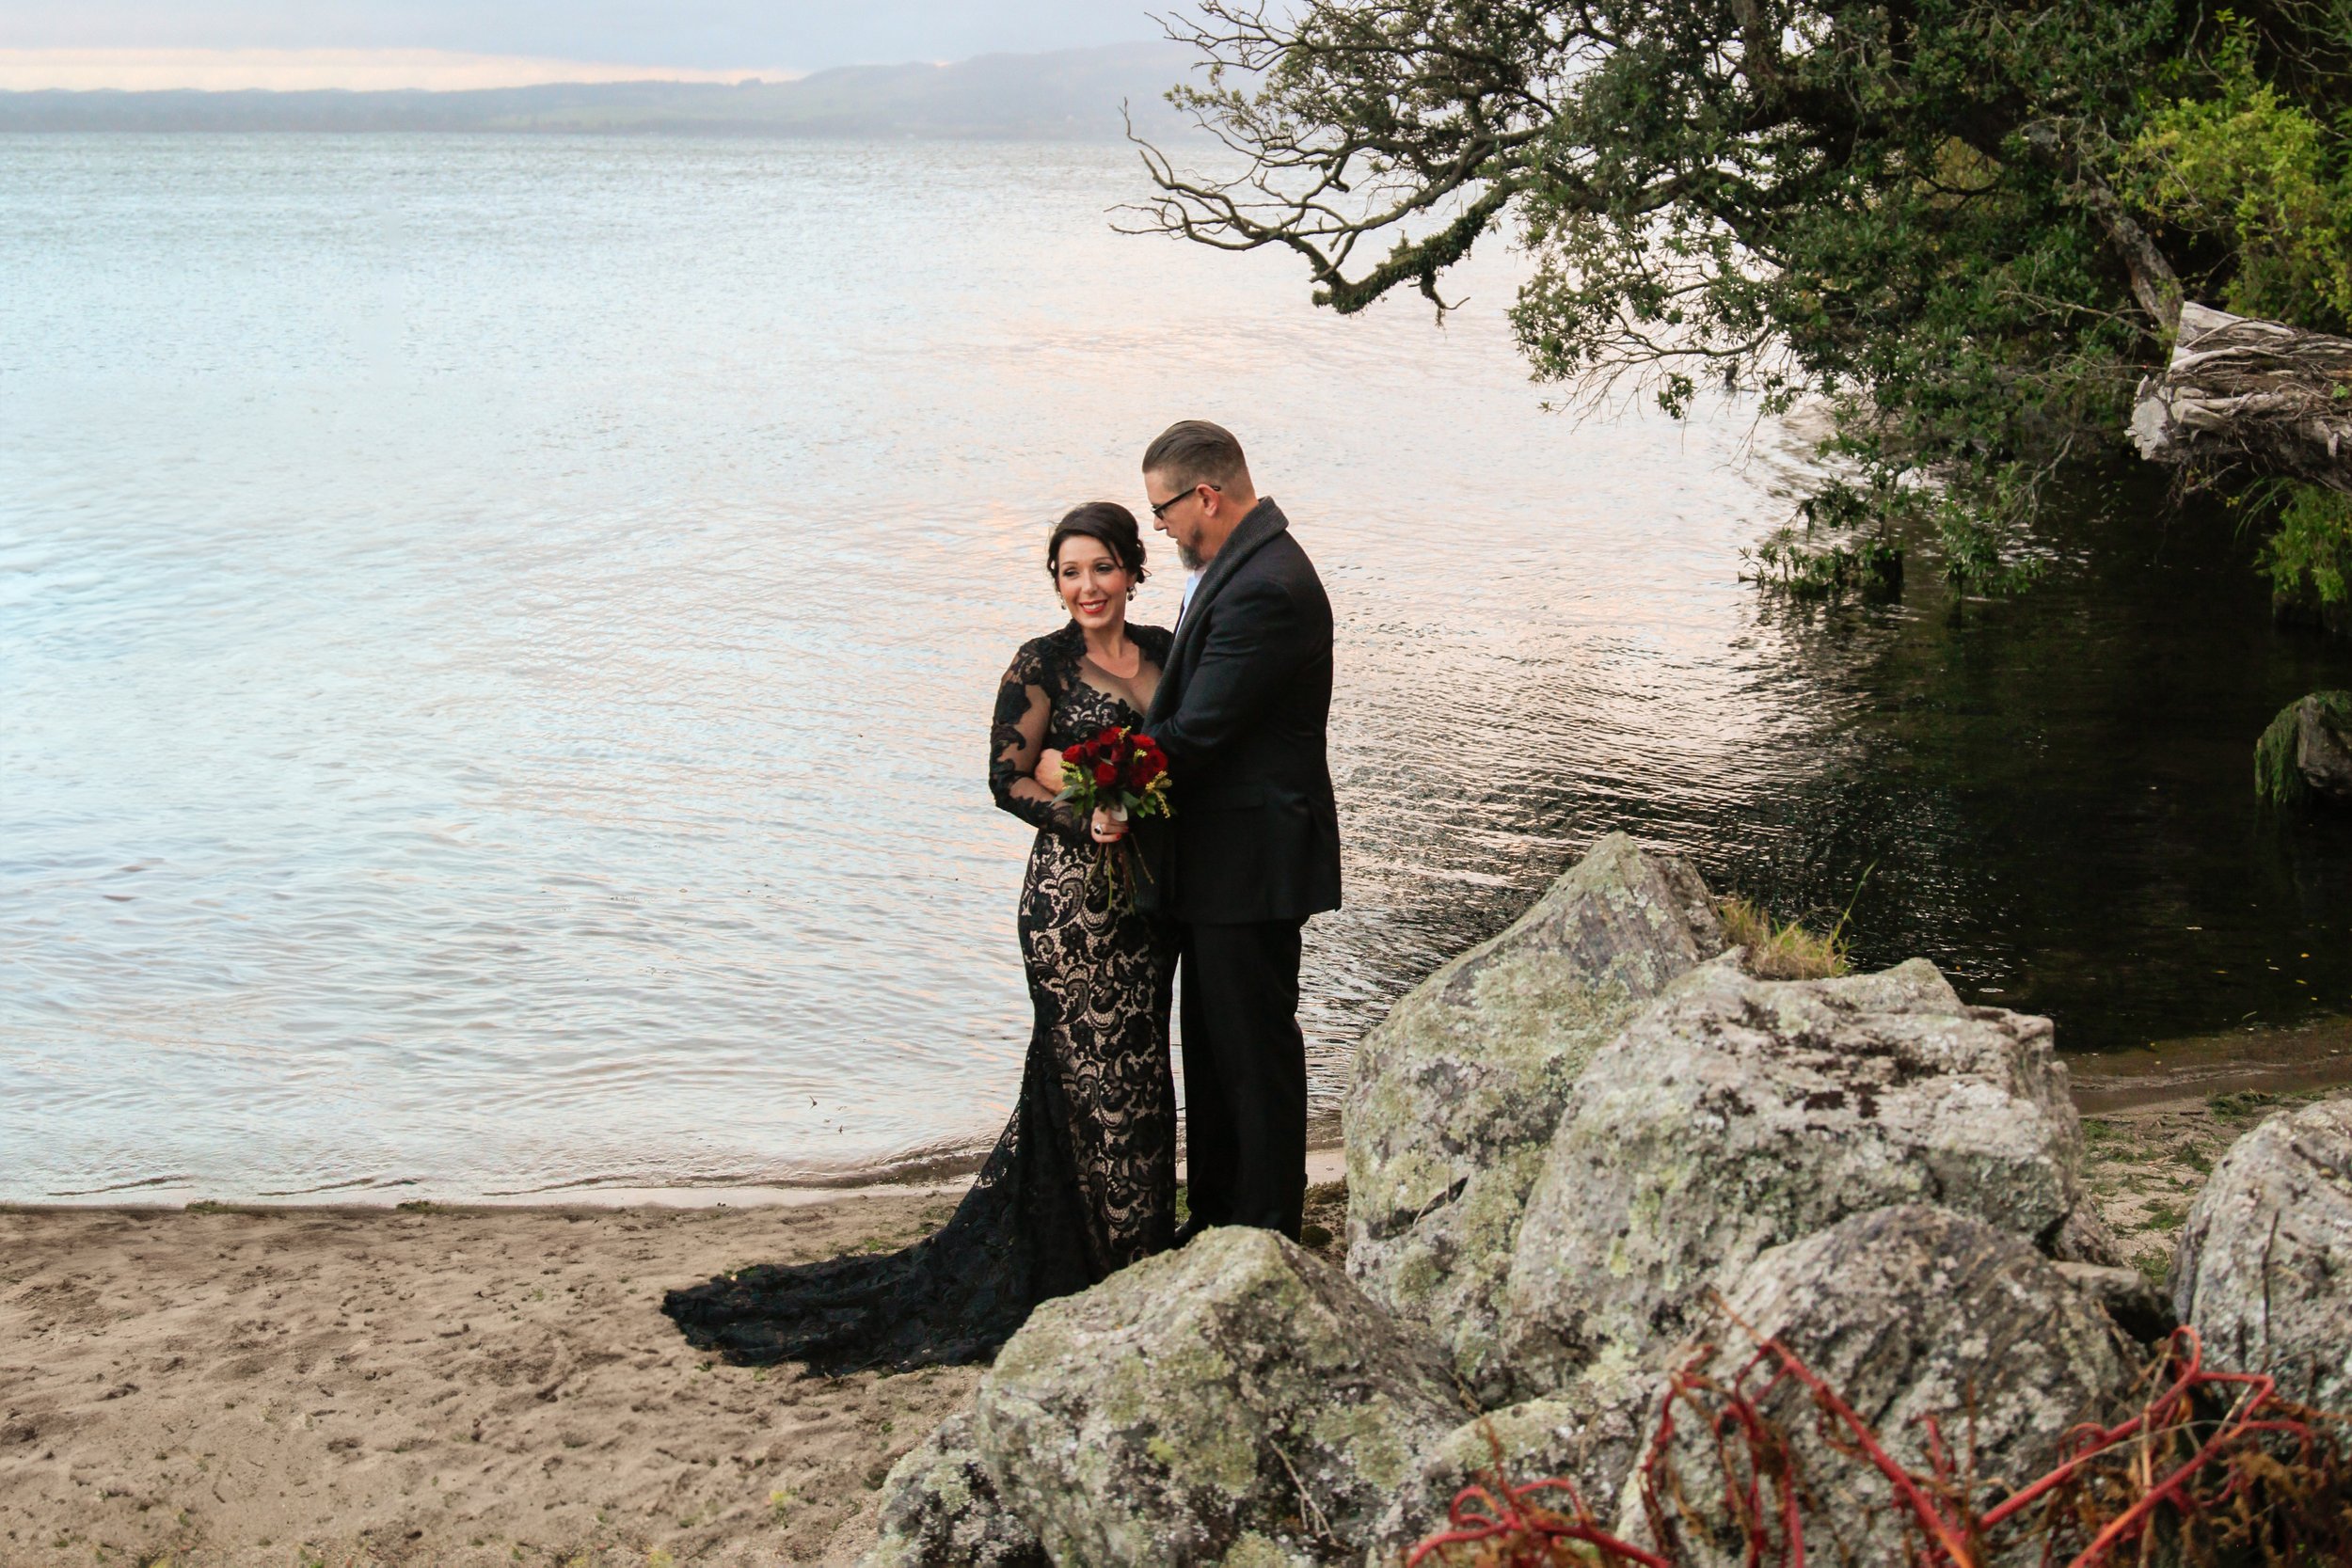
x=1967 y=226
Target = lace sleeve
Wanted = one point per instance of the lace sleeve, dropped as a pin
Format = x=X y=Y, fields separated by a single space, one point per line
x=1015 y=741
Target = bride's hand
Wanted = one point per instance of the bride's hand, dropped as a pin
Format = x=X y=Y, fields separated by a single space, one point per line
x=1108 y=829
x=1049 y=770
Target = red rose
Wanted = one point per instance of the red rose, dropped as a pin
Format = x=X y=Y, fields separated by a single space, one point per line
x=1109 y=735
x=1146 y=769
x=1106 y=775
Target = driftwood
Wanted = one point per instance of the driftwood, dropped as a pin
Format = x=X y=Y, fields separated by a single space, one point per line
x=2244 y=393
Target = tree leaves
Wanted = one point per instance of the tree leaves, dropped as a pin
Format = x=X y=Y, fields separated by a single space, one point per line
x=1957 y=223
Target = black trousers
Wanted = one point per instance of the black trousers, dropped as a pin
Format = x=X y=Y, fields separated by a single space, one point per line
x=1245 y=1075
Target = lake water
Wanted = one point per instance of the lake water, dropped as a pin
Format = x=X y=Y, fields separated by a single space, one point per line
x=497 y=638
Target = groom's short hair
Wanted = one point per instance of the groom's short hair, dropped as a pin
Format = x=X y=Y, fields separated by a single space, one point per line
x=1194 y=451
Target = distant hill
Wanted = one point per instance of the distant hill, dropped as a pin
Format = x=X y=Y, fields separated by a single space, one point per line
x=1070 y=95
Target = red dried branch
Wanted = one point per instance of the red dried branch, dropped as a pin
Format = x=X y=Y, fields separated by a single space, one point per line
x=2107 y=1484
x=1516 y=1534
x=2091 y=1441
x=2256 y=1412
x=1946 y=1537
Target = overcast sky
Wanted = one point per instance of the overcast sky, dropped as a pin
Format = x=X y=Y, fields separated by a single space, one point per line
x=695 y=35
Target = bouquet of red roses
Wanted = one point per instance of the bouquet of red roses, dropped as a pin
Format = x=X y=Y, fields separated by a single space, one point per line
x=1121 y=771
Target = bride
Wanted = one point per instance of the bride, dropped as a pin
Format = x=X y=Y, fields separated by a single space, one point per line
x=1083 y=1180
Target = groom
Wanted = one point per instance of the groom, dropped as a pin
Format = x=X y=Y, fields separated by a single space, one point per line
x=1253 y=849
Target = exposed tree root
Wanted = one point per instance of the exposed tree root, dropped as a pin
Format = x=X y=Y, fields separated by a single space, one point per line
x=2252 y=395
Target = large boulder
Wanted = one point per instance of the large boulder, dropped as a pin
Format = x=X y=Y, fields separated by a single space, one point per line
x=1234 y=1403
x=1455 y=1096
x=1907 y=1313
x=1590 y=1436
x=1734 y=1114
x=2264 y=1267
x=940 y=1510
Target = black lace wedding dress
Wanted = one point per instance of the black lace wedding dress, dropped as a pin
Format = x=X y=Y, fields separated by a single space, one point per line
x=1083 y=1181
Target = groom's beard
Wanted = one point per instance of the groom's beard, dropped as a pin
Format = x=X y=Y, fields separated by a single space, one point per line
x=1190 y=557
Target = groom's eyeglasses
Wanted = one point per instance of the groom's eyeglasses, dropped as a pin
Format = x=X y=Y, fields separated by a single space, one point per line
x=1159 y=509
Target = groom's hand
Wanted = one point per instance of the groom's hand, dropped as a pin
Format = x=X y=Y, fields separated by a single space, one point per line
x=1108 y=829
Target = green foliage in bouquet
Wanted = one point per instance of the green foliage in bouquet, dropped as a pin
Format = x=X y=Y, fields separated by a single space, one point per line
x=1122 y=771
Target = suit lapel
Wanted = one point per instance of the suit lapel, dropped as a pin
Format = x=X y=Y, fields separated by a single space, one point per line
x=1251 y=535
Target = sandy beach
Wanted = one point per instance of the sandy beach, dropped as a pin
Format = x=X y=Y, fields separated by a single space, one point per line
x=317 y=1387
x=230 y=1388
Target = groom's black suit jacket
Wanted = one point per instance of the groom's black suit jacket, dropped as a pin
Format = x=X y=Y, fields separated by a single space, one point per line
x=1241 y=709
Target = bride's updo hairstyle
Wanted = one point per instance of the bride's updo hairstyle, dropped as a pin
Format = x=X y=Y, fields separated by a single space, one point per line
x=1107 y=522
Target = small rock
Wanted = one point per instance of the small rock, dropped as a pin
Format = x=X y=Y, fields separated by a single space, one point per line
x=1237 y=1401
x=2086 y=1237
x=1736 y=1115
x=1590 y=1434
x=940 y=1510
x=1906 y=1313
x=2136 y=1307
x=2264 y=1267
x=1454 y=1097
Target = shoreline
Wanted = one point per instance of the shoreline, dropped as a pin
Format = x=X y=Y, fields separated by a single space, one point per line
x=2180 y=1071
x=1326 y=1162
x=2314 y=1056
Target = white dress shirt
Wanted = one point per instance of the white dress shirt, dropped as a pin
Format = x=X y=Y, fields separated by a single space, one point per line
x=1192 y=581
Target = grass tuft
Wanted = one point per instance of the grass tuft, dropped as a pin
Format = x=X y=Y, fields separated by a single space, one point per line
x=1782 y=950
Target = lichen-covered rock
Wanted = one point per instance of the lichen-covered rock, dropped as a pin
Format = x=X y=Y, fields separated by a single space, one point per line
x=1590 y=1434
x=1906 y=1313
x=940 y=1510
x=2264 y=1268
x=1736 y=1115
x=1234 y=1403
x=1455 y=1095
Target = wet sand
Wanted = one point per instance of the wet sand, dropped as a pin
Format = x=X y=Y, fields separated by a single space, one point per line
x=233 y=1387
x=2313 y=1056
